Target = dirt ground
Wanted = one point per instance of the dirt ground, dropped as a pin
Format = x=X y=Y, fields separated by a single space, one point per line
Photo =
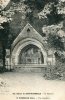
x=17 y=85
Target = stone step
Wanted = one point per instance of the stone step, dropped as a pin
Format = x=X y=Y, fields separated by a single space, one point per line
x=30 y=65
x=29 y=68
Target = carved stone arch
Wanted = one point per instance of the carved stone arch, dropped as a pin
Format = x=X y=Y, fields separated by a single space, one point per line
x=21 y=44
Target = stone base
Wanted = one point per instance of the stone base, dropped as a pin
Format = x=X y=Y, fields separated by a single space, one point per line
x=29 y=68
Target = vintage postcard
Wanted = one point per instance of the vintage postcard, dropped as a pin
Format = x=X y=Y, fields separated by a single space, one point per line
x=32 y=49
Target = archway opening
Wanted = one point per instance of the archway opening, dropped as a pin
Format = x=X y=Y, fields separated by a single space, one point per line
x=31 y=54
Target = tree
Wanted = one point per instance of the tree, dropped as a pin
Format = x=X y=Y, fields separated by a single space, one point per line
x=4 y=37
x=55 y=42
x=36 y=12
x=4 y=30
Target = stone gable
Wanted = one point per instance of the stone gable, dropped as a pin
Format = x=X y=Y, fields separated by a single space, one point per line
x=28 y=32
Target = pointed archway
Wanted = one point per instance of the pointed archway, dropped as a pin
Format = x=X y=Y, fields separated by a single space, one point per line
x=22 y=44
x=30 y=38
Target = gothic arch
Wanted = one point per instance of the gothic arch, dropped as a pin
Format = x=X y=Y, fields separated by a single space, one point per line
x=21 y=44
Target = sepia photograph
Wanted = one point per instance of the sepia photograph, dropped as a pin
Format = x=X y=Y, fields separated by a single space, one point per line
x=32 y=49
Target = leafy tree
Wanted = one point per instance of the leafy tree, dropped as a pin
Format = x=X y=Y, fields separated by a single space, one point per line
x=4 y=37
x=23 y=11
x=54 y=17
x=55 y=42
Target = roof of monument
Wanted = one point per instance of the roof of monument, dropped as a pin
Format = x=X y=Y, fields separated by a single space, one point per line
x=28 y=32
